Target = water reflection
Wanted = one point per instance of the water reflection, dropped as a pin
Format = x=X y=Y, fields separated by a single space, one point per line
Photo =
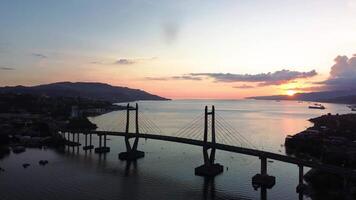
x=209 y=188
x=131 y=167
x=263 y=193
x=167 y=172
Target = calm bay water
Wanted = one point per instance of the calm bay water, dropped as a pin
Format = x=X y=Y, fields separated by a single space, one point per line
x=167 y=170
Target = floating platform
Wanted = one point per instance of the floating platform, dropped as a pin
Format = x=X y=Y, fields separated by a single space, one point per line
x=209 y=170
x=102 y=149
x=132 y=155
x=88 y=147
x=260 y=180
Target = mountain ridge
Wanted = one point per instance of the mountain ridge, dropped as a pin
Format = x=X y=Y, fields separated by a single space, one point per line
x=90 y=90
x=337 y=96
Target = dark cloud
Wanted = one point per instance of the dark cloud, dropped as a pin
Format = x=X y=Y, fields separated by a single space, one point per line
x=183 y=77
x=186 y=77
x=342 y=74
x=38 y=55
x=244 y=86
x=97 y=62
x=157 y=78
x=7 y=68
x=125 y=61
x=263 y=79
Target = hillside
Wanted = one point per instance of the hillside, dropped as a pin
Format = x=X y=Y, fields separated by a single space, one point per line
x=347 y=97
x=89 y=90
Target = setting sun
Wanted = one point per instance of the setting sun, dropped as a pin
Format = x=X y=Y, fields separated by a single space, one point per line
x=291 y=92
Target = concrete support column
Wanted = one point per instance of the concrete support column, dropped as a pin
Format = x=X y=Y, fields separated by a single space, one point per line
x=100 y=141
x=263 y=180
x=104 y=140
x=209 y=168
x=131 y=151
x=205 y=139
x=127 y=118
x=136 y=120
x=301 y=174
x=90 y=139
x=263 y=165
x=301 y=186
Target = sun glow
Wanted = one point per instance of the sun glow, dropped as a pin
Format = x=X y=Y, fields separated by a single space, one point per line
x=291 y=92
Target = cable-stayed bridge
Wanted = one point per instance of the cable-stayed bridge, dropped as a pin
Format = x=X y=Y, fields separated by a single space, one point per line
x=208 y=130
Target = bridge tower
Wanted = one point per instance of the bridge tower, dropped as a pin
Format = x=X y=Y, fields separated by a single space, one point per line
x=131 y=151
x=209 y=168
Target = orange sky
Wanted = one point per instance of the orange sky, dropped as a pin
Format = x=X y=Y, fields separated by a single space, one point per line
x=126 y=43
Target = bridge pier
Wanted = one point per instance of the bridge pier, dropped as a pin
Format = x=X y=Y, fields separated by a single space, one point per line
x=131 y=152
x=73 y=142
x=262 y=179
x=301 y=186
x=209 y=168
x=90 y=146
x=102 y=149
x=131 y=155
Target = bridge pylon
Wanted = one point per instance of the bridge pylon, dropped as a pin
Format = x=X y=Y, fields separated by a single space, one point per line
x=209 y=168
x=131 y=150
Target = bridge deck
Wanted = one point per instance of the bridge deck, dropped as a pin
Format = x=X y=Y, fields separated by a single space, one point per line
x=240 y=150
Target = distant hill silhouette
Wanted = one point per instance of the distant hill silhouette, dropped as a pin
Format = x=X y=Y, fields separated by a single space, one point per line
x=347 y=97
x=90 y=90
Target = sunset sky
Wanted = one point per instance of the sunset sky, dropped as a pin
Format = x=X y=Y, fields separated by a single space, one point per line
x=182 y=49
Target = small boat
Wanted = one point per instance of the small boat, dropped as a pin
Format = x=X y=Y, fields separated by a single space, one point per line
x=317 y=106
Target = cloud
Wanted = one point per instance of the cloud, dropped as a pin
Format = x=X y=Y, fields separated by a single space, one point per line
x=186 y=77
x=97 y=62
x=342 y=74
x=244 y=86
x=307 y=89
x=38 y=55
x=263 y=79
x=7 y=68
x=157 y=78
x=127 y=61
x=182 y=77
x=124 y=61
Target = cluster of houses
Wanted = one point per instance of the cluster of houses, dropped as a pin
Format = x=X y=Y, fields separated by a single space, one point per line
x=331 y=140
x=32 y=130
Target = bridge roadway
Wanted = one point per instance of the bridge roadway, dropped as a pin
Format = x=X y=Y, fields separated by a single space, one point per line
x=241 y=150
